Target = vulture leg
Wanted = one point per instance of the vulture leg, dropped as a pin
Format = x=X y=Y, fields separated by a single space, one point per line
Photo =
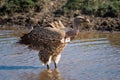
x=48 y=67
x=56 y=59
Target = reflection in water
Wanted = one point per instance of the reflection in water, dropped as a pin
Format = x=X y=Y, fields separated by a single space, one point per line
x=50 y=75
x=43 y=75
x=114 y=38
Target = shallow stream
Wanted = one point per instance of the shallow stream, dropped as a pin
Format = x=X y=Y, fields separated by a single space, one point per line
x=92 y=56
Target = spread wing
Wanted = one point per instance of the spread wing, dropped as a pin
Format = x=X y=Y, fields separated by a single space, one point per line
x=43 y=37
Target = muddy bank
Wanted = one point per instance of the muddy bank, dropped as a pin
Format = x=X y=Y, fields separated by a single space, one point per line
x=97 y=23
x=52 y=10
x=106 y=24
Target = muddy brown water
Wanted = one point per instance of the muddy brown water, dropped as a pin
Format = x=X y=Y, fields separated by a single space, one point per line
x=92 y=56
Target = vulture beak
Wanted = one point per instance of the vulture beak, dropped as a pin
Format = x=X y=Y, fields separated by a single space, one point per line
x=87 y=20
x=83 y=19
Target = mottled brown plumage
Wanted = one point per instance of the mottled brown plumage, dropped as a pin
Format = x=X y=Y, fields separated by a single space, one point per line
x=51 y=40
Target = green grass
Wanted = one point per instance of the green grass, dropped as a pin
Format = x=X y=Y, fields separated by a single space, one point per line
x=90 y=7
x=94 y=7
x=12 y=6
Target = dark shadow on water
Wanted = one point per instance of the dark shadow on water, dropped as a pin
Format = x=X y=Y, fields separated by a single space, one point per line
x=2 y=67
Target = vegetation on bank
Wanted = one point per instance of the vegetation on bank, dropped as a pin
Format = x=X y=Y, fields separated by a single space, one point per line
x=102 y=8
x=12 y=6
x=34 y=13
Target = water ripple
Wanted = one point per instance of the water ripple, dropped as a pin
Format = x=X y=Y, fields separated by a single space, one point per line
x=95 y=41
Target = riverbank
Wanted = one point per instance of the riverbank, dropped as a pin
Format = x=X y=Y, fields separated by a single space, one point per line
x=44 y=12
x=22 y=21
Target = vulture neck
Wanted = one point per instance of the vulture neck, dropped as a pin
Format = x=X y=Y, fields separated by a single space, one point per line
x=71 y=34
x=75 y=27
x=74 y=32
